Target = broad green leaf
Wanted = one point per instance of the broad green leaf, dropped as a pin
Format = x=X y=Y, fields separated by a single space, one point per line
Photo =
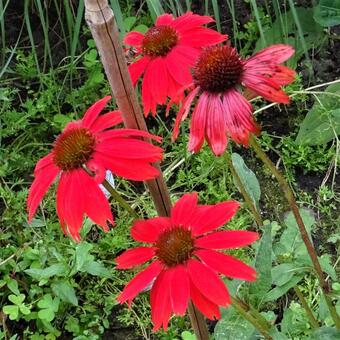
x=326 y=333
x=283 y=273
x=278 y=291
x=322 y=122
x=141 y=28
x=263 y=266
x=327 y=13
x=188 y=336
x=248 y=178
x=48 y=307
x=24 y=310
x=12 y=285
x=12 y=311
x=96 y=268
x=54 y=269
x=17 y=299
x=233 y=326
x=326 y=265
x=129 y=22
x=65 y=292
x=290 y=242
x=82 y=255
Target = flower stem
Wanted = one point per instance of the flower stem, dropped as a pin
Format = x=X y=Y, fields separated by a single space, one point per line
x=304 y=235
x=244 y=192
x=249 y=317
x=119 y=199
x=310 y=315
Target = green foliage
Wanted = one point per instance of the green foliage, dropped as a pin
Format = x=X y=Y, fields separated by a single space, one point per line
x=322 y=122
x=327 y=13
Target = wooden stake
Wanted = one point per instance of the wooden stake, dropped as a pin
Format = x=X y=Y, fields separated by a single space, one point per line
x=100 y=19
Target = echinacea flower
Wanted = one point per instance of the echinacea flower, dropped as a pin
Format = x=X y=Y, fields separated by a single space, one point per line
x=168 y=51
x=88 y=142
x=185 y=261
x=222 y=111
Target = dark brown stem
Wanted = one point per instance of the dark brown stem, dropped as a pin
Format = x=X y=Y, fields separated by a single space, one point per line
x=304 y=235
x=100 y=19
x=244 y=193
x=310 y=315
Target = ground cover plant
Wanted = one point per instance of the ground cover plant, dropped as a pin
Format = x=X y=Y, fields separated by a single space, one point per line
x=53 y=287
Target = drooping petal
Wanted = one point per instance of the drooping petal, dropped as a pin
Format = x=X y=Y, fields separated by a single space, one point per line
x=133 y=39
x=149 y=103
x=184 y=111
x=176 y=58
x=140 y=281
x=92 y=113
x=106 y=121
x=227 y=239
x=216 y=125
x=133 y=169
x=238 y=117
x=183 y=209
x=164 y=19
x=43 y=162
x=226 y=265
x=179 y=289
x=96 y=205
x=137 y=68
x=160 y=301
x=208 y=283
x=149 y=230
x=198 y=124
x=44 y=177
x=70 y=202
x=208 y=218
x=134 y=257
x=207 y=307
x=130 y=148
x=272 y=54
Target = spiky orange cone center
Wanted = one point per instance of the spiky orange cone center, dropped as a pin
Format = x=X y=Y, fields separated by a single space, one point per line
x=159 y=40
x=218 y=69
x=175 y=246
x=73 y=148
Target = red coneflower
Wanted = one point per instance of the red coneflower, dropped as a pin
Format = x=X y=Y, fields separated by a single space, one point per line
x=186 y=264
x=222 y=111
x=87 y=142
x=168 y=51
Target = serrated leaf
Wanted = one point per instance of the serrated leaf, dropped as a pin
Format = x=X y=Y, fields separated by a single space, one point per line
x=65 y=292
x=263 y=266
x=248 y=178
x=327 y=13
x=322 y=122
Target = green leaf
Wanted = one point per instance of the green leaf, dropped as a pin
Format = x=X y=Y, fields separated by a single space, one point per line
x=188 y=336
x=322 y=122
x=65 y=292
x=48 y=307
x=129 y=22
x=326 y=265
x=96 y=268
x=278 y=291
x=263 y=266
x=290 y=242
x=326 y=333
x=248 y=178
x=141 y=28
x=283 y=273
x=12 y=286
x=82 y=255
x=12 y=311
x=17 y=299
x=54 y=269
x=327 y=13
x=233 y=326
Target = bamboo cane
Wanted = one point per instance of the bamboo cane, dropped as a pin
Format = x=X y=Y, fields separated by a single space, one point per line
x=102 y=24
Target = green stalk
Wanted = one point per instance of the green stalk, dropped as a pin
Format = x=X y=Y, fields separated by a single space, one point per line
x=304 y=303
x=249 y=317
x=304 y=235
x=120 y=200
